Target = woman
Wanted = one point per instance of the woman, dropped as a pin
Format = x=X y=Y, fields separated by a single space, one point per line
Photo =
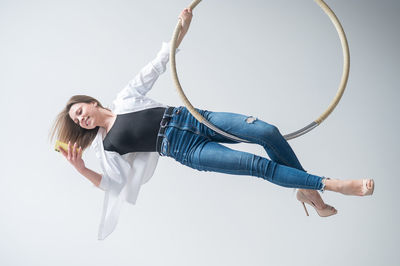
x=129 y=138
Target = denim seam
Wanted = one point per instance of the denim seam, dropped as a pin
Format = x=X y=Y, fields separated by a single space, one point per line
x=267 y=179
x=202 y=166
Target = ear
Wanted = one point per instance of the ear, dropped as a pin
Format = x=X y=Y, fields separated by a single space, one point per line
x=95 y=104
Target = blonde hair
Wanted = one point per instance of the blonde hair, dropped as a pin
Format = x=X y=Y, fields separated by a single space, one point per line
x=64 y=129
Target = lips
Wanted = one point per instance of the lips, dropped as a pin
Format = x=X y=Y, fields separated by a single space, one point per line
x=85 y=121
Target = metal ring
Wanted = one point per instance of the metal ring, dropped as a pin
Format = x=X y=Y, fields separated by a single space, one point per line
x=309 y=127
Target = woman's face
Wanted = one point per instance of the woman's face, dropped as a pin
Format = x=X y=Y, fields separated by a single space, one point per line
x=84 y=114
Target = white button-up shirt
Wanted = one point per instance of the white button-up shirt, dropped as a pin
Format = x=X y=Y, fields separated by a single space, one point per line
x=123 y=175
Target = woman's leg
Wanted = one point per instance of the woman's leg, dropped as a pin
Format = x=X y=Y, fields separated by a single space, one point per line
x=213 y=156
x=278 y=149
x=194 y=145
x=256 y=131
x=265 y=134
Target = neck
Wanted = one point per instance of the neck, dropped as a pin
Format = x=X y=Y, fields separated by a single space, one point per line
x=106 y=119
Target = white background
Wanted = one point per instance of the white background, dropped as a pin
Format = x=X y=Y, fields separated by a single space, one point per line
x=279 y=61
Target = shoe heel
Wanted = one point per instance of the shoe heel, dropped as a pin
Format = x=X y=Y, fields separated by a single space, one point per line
x=305 y=209
x=327 y=211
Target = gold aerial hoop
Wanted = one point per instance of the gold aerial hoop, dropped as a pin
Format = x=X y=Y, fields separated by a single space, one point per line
x=309 y=127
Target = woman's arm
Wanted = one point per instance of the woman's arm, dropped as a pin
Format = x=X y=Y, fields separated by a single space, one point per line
x=94 y=177
x=144 y=80
x=185 y=17
x=74 y=156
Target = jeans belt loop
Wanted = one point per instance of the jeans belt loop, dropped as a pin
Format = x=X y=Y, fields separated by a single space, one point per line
x=164 y=122
x=166 y=117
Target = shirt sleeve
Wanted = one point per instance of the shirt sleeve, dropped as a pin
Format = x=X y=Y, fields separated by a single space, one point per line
x=104 y=183
x=115 y=173
x=107 y=184
x=145 y=79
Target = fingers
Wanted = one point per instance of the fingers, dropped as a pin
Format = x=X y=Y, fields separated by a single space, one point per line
x=185 y=17
x=185 y=13
x=63 y=151
x=69 y=150
x=80 y=152
x=73 y=152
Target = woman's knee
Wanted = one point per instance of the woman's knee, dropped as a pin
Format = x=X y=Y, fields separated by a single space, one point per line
x=270 y=131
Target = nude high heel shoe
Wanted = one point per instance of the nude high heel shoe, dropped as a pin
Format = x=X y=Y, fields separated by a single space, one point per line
x=325 y=212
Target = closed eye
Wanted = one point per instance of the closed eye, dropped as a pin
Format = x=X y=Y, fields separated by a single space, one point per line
x=79 y=112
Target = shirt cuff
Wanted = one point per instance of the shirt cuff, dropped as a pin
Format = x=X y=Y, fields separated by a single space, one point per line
x=166 y=47
x=104 y=183
x=162 y=58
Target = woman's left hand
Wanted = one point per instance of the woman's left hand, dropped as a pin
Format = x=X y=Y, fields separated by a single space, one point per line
x=186 y=17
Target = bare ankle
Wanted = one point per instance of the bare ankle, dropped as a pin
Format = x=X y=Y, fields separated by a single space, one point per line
x=333 y=185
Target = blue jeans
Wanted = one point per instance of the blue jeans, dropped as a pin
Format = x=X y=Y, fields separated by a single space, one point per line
x=195 y=145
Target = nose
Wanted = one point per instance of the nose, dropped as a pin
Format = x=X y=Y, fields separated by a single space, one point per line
x=81 y=120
